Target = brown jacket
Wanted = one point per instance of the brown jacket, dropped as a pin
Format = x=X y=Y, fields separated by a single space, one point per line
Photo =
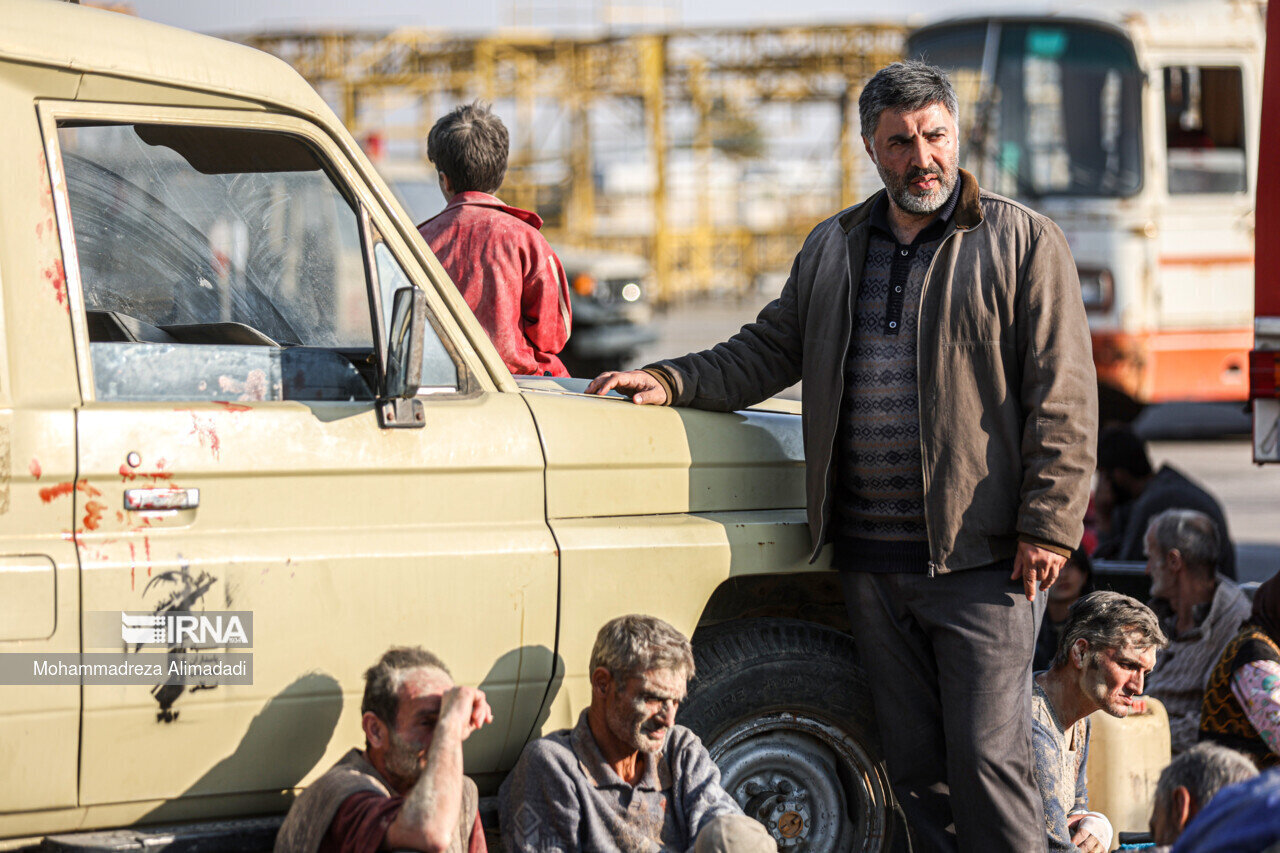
x=1008 y=394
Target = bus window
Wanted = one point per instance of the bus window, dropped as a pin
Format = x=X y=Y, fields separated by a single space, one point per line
x=1048 y=108
x=1204 y=129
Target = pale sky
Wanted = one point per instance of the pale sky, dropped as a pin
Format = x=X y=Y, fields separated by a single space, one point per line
x=483 y=15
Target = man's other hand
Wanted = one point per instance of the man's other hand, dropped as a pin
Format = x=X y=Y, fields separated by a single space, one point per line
x=1084 y=840
x=467 y=708
x=1037 y=567
x=641 y=387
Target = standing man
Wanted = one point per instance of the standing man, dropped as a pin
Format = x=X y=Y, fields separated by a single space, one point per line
x=1108 y=646
x=511 y=279
x=950 y=423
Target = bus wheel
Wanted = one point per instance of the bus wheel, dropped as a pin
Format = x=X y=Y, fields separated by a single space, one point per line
x=785 y=713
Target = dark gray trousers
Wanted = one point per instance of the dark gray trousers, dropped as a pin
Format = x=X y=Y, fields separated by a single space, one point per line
x=948 y=660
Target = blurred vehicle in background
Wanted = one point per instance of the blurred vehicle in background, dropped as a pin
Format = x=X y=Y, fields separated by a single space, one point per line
x=1264 y=359
x=609 y=291
x=1134 y=131
x=611 y=310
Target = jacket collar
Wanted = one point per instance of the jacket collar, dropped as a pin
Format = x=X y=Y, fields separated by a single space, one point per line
x=479 y=199
x=968 y=213
x=657 y=770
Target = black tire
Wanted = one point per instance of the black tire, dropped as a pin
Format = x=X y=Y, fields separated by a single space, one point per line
x=784 y=710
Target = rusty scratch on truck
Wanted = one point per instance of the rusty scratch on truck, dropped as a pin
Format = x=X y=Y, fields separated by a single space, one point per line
x=49 y=493
x=57 y=278
x=205 y=431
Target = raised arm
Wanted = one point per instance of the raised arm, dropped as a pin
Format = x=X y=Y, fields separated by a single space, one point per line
x=429 y=818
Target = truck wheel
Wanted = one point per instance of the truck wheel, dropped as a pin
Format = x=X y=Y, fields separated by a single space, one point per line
x=785 y=713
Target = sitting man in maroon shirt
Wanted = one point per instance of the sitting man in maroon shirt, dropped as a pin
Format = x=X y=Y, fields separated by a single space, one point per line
x=406 y=790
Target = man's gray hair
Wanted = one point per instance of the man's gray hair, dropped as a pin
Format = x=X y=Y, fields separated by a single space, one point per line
x=1204 y=770
x=634 y=644
x=1192 y=534
x=383 y=680
x=1109 y=620
x=904 y=87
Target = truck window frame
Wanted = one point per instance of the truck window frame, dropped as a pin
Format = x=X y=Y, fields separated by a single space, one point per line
x=377 y=224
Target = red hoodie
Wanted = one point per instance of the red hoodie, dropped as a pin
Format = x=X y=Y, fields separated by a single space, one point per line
x=510 y=278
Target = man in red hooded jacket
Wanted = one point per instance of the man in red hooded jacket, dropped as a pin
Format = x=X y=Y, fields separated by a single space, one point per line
x=511 y=279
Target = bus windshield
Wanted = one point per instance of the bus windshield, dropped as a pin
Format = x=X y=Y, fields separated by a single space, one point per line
x=1047 y=108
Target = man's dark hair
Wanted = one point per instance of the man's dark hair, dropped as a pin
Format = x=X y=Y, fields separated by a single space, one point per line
x=904 y=87
x=1109 y=620
x=382 y=681
x=1120 y=449
x=469 y=145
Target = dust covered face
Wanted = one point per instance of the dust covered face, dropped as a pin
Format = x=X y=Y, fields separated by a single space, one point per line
x=421 y=696
x=1113 y=678
x=642 y=710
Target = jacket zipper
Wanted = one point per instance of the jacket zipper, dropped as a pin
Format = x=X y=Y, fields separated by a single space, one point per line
x=935 y=568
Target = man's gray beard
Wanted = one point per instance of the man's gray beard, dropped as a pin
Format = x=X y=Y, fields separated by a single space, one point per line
x=931 y=203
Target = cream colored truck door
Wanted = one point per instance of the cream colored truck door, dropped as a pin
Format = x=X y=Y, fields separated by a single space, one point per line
x=233 y=276
x=39 y=590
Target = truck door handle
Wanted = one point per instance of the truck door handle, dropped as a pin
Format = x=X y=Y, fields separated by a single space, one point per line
x=158 y=499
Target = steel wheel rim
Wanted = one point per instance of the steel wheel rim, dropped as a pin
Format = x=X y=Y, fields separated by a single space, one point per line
x=819 y=813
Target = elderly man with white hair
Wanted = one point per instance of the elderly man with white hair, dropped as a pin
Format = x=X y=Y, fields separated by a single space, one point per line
x=1189 y=783
x=1199 y=609
x=626 y=777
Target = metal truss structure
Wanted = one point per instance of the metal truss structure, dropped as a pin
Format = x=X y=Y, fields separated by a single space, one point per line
x=710 y=95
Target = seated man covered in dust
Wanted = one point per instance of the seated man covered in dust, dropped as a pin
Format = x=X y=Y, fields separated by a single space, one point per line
x=626 y=777
x=1108 y=646
x=406 y=790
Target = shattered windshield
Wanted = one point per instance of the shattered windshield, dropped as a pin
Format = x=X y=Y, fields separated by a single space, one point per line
x=196 y=226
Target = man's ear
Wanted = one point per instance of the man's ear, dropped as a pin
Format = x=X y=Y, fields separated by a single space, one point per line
x=871 y=152
x=601 y=681
x=1078 y=650
x=376 y=733
x=1183 y=805
x=1173 y=561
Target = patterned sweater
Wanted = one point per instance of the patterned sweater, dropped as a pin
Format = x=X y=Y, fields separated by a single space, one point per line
x=1061 y=755
x=879 y=509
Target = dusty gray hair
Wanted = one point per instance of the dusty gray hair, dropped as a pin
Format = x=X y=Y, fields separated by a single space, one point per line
x=904 y=87
x=1192 y=534
x=1204 y=770
x=634 y=644
x=1109 y=620
x=383 y=680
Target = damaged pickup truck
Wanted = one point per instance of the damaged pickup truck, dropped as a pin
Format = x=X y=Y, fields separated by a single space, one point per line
x=235 y=379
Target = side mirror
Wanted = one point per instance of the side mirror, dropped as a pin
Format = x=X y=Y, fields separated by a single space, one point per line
x=399 y=406
x=404 y=344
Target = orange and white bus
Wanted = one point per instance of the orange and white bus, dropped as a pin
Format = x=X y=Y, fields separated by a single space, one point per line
x=1137 y=132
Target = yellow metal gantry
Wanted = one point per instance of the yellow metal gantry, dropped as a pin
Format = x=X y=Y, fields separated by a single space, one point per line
x=396 y=84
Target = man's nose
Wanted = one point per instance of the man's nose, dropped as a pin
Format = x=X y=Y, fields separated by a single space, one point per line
x=1138 y=681
x=668 y=712
x=920 y=155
